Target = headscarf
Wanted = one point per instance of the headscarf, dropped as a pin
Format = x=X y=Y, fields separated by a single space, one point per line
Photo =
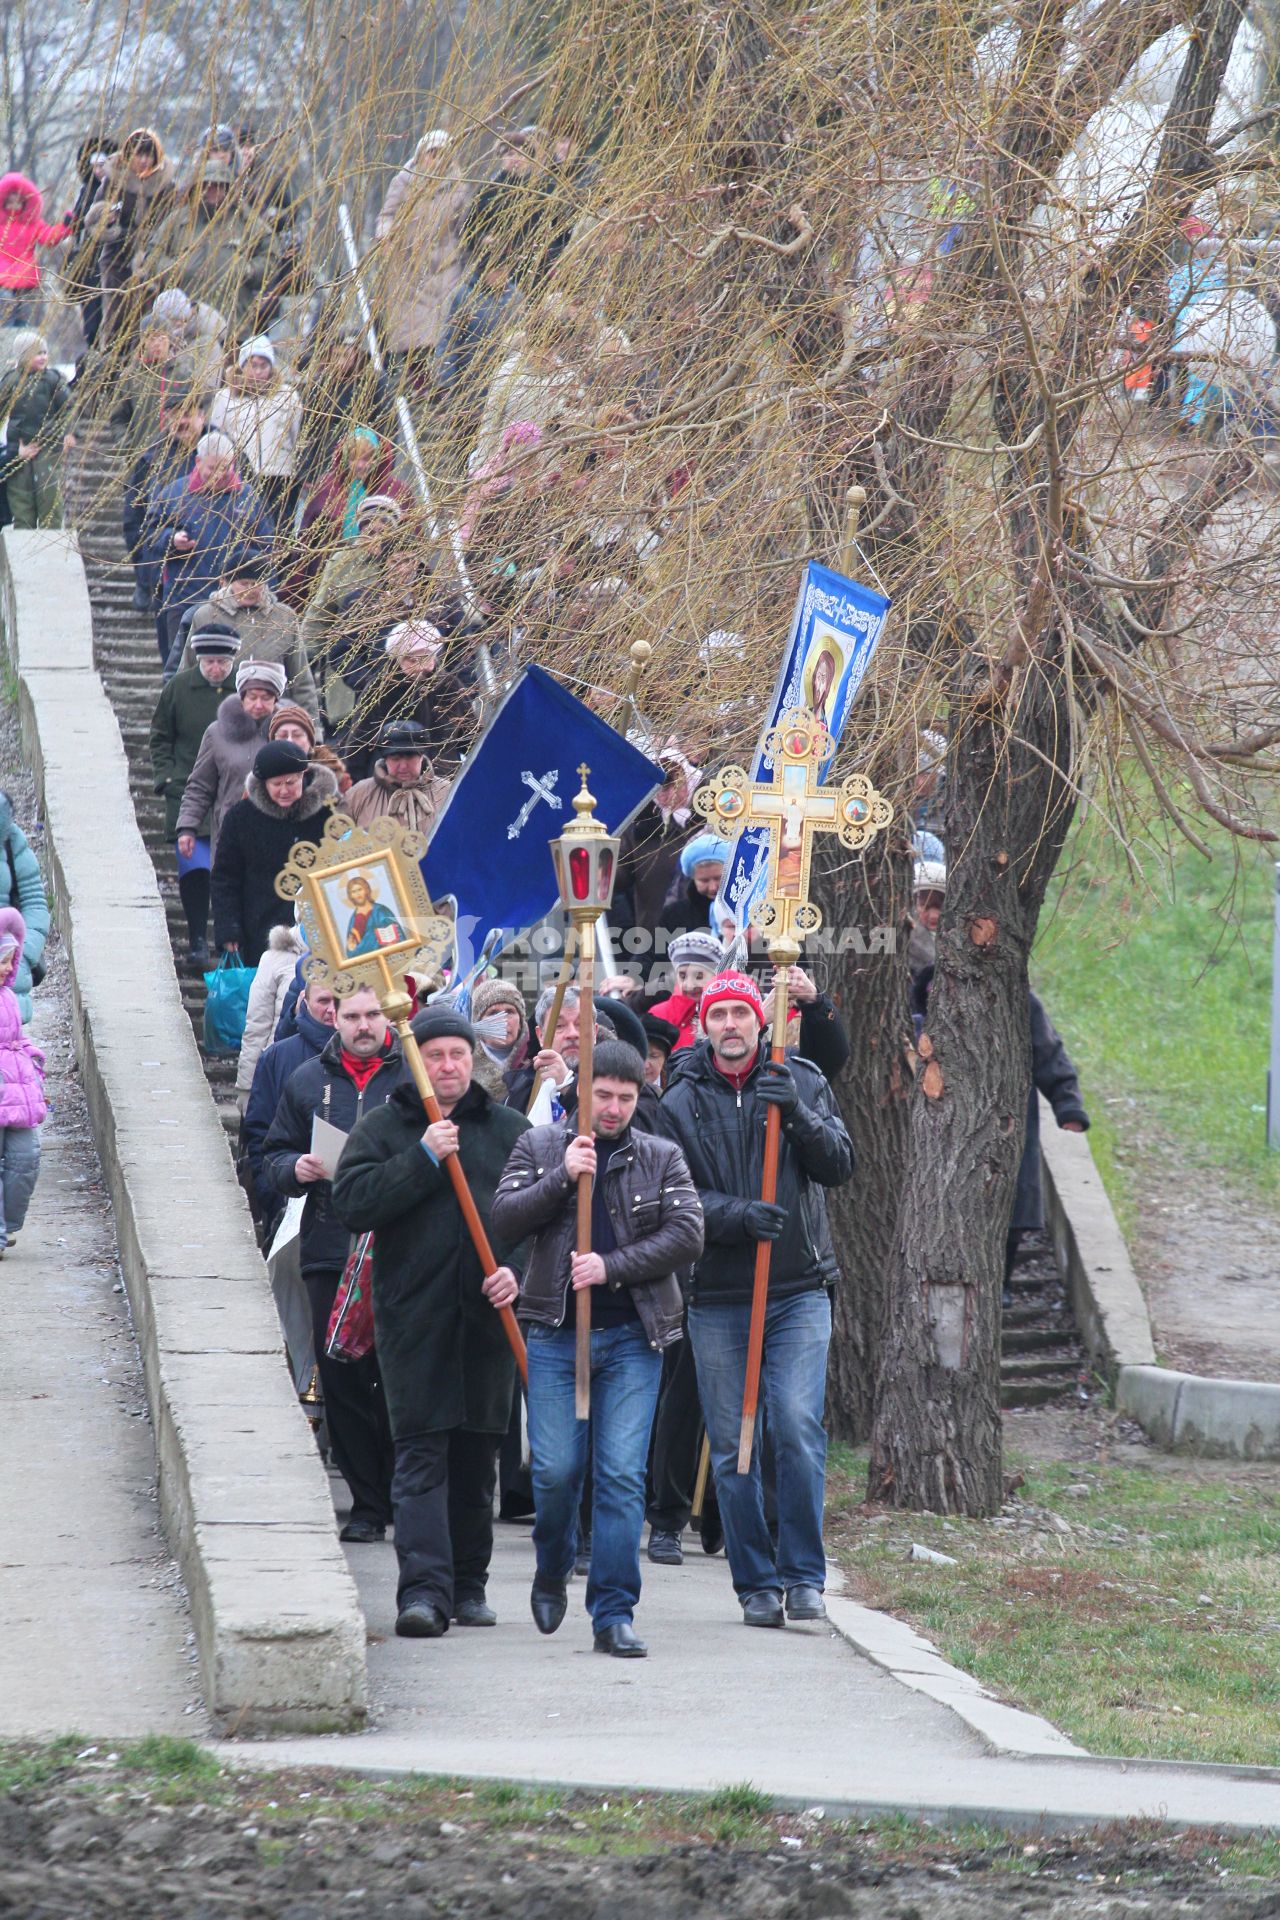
x=358 y=485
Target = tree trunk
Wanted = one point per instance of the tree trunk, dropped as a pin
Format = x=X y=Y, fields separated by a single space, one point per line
x=936 y=1441
x=870 y=898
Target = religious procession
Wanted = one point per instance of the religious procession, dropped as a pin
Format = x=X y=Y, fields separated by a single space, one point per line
x=611 y=651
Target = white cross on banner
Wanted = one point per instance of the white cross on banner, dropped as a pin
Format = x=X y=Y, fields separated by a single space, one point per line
x=540 y=789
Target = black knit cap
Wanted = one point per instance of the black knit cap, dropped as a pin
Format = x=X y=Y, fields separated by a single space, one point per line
x=277 y=758
x=442 y=1023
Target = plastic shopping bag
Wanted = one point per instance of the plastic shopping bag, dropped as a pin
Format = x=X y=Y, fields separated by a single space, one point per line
x=226 y=1004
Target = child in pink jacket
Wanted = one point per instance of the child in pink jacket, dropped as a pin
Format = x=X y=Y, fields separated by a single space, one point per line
x=22 y=1102
x=22 y=230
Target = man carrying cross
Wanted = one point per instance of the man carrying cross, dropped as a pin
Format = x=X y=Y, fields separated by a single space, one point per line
x=714 y=1108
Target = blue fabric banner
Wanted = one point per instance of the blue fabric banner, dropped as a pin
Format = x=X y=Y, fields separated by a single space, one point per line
x=834 y=632
x=513 y=793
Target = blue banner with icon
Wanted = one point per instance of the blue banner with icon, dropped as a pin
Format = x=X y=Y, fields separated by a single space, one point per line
x=835 y=630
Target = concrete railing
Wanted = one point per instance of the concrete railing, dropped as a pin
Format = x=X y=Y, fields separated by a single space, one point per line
x=1184 y=1412
x=243 y=1493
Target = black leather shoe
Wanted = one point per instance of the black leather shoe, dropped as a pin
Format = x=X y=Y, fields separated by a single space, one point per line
x=582 y=1558
x=712 y=1531
x=474 y=1613
x=548 y=1605
x=664 y=1548
x=421 y=1620
x=805 y=1603
x=362 y=1533
x=763 y=1610
x=621 y=1641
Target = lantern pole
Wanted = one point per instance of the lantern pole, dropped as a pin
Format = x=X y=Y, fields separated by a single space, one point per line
x=586 y=862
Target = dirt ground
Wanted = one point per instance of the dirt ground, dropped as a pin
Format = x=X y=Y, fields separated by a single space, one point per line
x=65 y=1855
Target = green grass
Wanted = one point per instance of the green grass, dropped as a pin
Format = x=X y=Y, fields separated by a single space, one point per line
x=1151 y=1628
x=1161 y=986
x=329 y=1815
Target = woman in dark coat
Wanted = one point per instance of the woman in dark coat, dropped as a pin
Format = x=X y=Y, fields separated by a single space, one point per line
x=286 y=800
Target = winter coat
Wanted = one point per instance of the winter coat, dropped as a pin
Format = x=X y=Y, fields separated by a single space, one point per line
x=127 y=212
x=323 y=1086
x=162 y=462
x=421 y=256
x=253 y=846
x=223 y=764
x=438 y=701
x=147 y=391
x=648 y=862
x=721 y=1133
x=332 y=404
x=475 y=321
x=22 y=1102
x=1053 y=1075
x=21 y=233
x=268 y=632
x=654 y=1209
x=327 y=518
x=34 y=403
x=22 y=887
x=415 y=807
x=264 y=426
x=442 y=1353
x=223 y=257
x=220 y=523
x=276 y=968
x=186 y=709
x=276 y=1064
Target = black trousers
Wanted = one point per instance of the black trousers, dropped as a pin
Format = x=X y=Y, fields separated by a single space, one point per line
x=355 y=1411
x=443 y=1499
x=193 y=891
x=673 y=1462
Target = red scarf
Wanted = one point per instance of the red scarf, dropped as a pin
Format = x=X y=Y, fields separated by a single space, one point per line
x=362 y=1071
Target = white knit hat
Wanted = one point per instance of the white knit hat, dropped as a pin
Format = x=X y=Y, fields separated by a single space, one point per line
x=698 y=947
x=257 y=348
x=262 y=673
x=931 y=876
x=414 y=636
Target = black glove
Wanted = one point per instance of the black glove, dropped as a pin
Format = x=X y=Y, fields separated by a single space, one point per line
x=777 y=1085
x=764 y=1221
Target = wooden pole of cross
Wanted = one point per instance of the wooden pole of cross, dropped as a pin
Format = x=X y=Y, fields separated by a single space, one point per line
x=791 y=807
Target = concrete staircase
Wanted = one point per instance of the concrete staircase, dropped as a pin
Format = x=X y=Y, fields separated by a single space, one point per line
x=124 y=646
x=1041 y=1359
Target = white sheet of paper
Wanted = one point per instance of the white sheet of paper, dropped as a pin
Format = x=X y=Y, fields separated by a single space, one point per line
x=327 y=1142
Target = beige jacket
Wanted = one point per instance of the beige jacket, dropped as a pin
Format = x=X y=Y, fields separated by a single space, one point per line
x=420 y=256
x=414 y=807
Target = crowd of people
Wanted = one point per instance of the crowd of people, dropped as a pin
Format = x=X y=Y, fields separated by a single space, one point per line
x=309 y=656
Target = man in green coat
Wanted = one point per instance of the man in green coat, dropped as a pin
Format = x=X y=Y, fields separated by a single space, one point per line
x=214 y=247
x=187 y=706
x=442 y=1353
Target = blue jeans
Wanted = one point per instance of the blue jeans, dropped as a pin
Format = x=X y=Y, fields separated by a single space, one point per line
x=793 y=1380
x=19 y=1170
x=625 y=1371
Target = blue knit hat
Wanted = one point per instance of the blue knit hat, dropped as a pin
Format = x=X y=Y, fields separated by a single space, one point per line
x=703 y=846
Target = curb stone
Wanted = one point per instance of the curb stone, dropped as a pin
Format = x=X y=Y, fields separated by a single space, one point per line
x=243 y=1493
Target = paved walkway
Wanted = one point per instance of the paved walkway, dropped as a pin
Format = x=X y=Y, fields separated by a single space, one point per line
x=801 y=1713
x=93 y=1623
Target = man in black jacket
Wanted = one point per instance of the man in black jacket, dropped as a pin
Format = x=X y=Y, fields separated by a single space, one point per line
x=715 y=1108
x=645 y=1222
x=443 y=1355
x=357 y=1070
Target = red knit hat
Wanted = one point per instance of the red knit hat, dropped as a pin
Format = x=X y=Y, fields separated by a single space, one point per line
x=731 y=986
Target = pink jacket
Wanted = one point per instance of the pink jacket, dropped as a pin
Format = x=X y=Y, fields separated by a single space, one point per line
x=22 y=1102
x=21 y=233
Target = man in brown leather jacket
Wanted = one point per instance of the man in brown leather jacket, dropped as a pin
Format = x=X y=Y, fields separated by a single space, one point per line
x=646 y=1221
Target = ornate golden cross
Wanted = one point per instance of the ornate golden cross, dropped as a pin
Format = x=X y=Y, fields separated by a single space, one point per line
x=793 y=806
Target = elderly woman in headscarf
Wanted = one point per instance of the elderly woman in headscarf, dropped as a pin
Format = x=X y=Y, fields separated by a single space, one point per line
x=413 y=680
x=420 y=250
x=360 y=470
